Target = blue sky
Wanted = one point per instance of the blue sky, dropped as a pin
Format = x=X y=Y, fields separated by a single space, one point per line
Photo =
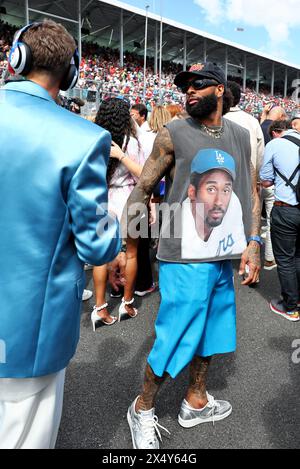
x=270 y=26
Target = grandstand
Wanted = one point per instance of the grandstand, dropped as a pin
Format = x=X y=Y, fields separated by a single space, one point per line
x=111 y=38
x=119 y=26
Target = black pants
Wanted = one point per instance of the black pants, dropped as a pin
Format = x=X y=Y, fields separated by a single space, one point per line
x=285 y=235
x=144 y=279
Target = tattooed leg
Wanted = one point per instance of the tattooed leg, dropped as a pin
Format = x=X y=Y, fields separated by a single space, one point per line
x=151 y=387
x=196 y=394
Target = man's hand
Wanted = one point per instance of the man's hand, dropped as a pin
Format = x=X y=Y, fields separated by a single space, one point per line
x=116 y=271
x=251 y=258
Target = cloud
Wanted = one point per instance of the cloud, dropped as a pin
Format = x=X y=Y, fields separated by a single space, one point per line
x=213 y=10
x=277 y=17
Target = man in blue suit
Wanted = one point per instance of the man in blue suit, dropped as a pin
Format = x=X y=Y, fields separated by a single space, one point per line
x=53 y=204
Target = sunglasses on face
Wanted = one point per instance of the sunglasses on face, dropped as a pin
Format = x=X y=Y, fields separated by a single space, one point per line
x=198 y=84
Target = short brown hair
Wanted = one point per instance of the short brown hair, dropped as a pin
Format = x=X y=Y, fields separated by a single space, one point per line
x=52 y=47
x=278 y=126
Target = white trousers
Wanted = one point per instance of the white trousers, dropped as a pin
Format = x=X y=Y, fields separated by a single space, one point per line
x=32 y=422
x=269 y=199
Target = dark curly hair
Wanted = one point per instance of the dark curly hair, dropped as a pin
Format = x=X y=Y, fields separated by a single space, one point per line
x=114 y=116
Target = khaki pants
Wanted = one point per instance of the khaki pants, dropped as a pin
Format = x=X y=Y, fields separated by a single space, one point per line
x=268 y=197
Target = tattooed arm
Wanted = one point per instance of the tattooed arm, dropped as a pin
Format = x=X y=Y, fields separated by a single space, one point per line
x=156 y=167
x=251 y=256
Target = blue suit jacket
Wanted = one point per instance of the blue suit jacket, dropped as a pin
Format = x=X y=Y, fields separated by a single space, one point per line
x=52 y=183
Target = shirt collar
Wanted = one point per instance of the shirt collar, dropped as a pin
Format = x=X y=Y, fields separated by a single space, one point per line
x=292 y=133
x=29 y=87
x=235 y=109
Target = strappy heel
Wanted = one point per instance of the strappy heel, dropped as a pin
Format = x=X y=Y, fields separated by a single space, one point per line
x=95 y=318
x=123 y=311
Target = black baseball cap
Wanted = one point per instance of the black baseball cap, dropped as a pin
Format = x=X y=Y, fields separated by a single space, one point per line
x=201 y=70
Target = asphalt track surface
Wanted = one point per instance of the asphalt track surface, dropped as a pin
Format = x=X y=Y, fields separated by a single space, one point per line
x=261 y=380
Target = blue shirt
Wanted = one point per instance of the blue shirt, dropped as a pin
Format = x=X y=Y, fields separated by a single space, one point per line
x=284 y=156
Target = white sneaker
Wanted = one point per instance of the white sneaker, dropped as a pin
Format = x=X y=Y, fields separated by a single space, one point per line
x=270 y=265
x=86 y=295
x=144 y=428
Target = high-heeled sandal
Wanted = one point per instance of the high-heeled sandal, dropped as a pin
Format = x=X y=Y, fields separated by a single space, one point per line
x=123 y=311
x=96 y=318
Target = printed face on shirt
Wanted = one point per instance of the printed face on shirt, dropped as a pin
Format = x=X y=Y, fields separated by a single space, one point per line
x=214 y=190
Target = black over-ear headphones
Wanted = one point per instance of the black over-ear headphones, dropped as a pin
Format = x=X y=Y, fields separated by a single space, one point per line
x=21 y=59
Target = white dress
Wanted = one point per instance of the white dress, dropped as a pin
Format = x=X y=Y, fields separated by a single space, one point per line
x=123 y=182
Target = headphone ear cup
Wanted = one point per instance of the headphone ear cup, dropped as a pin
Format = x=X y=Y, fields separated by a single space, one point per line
x=20 y=58
x=70 y=78
x=27 y=64
x=14 y=57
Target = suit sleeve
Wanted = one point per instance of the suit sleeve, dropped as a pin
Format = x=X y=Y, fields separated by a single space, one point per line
x=96 y=232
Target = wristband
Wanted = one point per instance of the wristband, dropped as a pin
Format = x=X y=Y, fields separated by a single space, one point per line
x=255 y=238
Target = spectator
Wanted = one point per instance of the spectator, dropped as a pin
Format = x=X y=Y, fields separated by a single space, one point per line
x=276 y=130
x=174 y=109
x=48 y=230
x=273 y=113
x=159 y=117
x=295 y=122
x=281 y=166
x=139 y=113
x=124 y=169
x=248 y=122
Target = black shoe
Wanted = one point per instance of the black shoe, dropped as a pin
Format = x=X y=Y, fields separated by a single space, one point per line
x=116 y=294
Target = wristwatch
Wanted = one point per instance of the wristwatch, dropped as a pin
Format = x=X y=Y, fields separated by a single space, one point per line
x=255 y=238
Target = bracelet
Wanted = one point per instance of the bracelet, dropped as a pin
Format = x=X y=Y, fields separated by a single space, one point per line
x=122 y=158
x=124 y=248
x=257 y=239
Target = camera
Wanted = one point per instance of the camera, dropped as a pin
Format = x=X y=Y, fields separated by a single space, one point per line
x=71 y=104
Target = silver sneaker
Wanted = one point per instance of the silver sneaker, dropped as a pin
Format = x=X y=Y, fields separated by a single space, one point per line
x=214 y=411
x=144 y=428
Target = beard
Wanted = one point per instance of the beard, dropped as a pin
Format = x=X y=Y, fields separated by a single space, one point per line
x=213 y=223
x=204 y=108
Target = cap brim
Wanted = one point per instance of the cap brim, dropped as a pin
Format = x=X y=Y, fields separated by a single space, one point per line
x=218 y=168
x=183 y=77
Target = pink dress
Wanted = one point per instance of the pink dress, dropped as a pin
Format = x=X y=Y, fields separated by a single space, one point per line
x=123 y=182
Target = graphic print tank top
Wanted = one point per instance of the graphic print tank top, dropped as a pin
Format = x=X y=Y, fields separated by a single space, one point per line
x=207 y=210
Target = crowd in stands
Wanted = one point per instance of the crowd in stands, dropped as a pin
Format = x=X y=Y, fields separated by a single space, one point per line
x=101 y=72
x=254 y=103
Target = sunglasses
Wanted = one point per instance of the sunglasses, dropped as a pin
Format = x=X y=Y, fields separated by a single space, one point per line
x=198 y=84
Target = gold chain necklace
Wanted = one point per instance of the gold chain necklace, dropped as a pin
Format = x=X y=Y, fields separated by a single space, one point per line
x=215 y=133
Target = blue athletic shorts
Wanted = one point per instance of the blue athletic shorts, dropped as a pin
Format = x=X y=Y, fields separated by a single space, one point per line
x=197 y=315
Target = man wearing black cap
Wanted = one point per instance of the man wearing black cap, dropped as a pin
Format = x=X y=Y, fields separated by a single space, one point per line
x=188 y=327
